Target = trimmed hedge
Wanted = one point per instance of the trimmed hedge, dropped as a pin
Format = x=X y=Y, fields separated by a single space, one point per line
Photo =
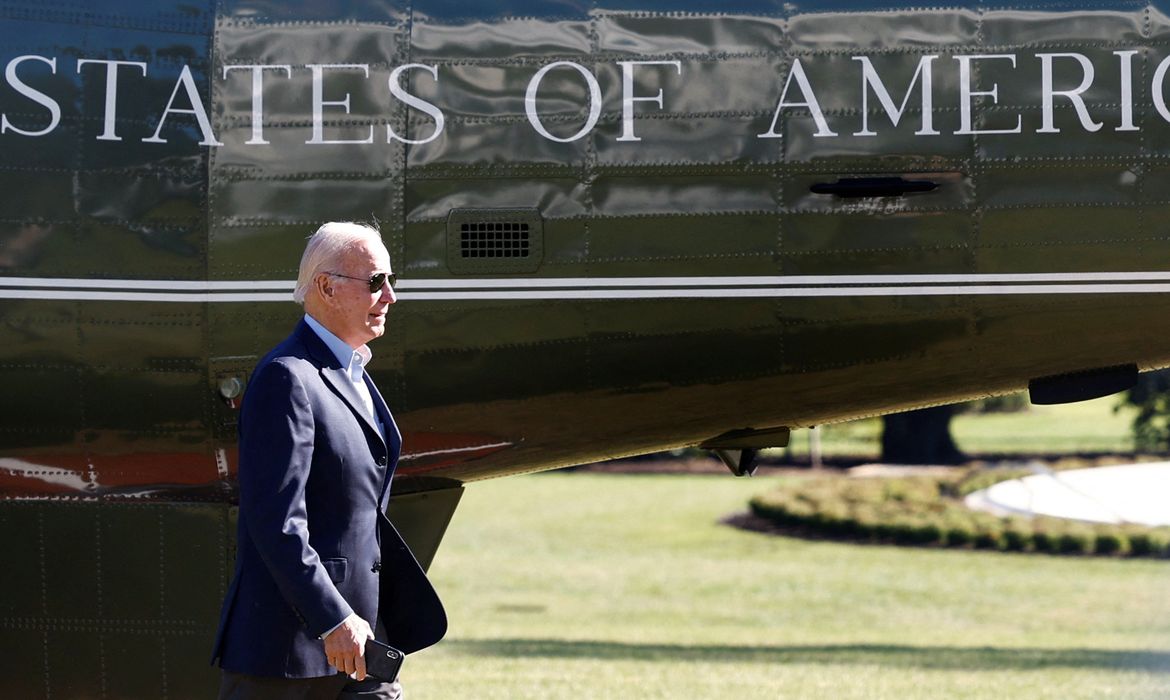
x=928 y=510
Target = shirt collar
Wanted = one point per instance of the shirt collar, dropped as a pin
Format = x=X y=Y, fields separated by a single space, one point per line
x=354 y=361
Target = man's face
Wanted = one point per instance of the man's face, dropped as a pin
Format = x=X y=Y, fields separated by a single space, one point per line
x=357 y=315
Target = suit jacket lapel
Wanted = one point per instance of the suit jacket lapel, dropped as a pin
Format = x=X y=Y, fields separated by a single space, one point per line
x=393 y=439
x=336 y=376
x=393 y=435
x=339 y=380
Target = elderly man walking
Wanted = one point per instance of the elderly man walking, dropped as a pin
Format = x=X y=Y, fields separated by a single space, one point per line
x=319 y=568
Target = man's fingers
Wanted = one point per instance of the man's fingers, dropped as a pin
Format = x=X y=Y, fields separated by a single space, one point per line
x=361 y=668
x=345 y=644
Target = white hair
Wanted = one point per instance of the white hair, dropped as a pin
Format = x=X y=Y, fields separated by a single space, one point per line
x=325 y=249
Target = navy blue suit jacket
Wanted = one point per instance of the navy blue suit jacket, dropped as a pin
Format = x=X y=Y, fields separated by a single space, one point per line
x=314 y=543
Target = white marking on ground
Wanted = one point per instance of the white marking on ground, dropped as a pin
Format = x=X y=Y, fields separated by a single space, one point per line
x=1132 y=493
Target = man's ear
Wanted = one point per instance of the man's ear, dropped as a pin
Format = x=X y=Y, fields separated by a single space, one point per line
x=324 y=286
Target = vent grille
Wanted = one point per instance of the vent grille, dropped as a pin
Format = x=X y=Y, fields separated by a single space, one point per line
x=504 y=240
x=494 y=239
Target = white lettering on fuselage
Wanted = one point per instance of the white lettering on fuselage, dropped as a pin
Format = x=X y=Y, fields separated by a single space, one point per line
x=982 y=106
x=109 y=119
x=35 y=95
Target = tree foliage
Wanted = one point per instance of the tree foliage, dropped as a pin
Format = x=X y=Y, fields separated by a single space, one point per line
x=1151 y=425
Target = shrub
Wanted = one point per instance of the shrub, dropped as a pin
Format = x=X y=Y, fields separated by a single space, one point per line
x=928 y=533
x=922 y=511
x=910 y=530
x=1112 y=542
x=1077 y=540
x=959 y=535
x=1017 y=535
x=884 y=530
x=834 y=518
x=918 y=491
x=1044 y=541
x=1139 y=543
x=1160 y=542
x=865 y=522
x=989 y=538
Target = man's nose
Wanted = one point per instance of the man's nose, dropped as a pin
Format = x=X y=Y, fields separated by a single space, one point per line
x=388 y=295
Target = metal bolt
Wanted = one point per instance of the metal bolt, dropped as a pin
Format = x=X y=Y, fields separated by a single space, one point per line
x=230 y=387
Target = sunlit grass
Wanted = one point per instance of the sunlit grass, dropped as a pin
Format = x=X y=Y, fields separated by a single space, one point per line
x=621 y=586
x=1089 y=426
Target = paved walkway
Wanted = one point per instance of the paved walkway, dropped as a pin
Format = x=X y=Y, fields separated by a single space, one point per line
x=1133 y=493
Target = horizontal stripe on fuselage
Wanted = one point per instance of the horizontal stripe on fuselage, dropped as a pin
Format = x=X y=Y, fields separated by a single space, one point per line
x=569 y=288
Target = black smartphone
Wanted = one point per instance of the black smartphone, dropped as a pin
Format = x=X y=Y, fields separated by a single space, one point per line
x=382 y=660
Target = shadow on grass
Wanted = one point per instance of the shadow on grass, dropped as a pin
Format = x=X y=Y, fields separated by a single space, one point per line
x=889 y=655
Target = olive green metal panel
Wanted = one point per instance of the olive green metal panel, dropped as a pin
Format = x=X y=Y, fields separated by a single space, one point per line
x=264 y=199
x=741 y=243
x=819 y=27
x=732 y=139
x=717 y=182
x=566 y=243
x=649 y=192
x=433 y=198
x=101 y=209
x=856 y=345
x=112 y=599
x=881 y=242
x=1079 y=233
x=438 y=39
x=634 y=34
x=1121 y=24
x=481 y=372
x=422 y=516
x=44 y=203
x=33 y=423
x=24 y=548
x=116 y=599
x=1050 y=185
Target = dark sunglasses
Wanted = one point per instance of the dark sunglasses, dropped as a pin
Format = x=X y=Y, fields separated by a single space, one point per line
x=375 y=281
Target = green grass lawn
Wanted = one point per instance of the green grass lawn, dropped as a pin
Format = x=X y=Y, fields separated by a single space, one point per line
x=1089 y=426
x=620 y=586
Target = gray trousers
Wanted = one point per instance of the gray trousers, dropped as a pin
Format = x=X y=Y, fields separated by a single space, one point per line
x=241 y=686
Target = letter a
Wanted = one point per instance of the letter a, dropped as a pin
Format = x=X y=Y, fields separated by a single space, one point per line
x=186 y=82
x=810 y=101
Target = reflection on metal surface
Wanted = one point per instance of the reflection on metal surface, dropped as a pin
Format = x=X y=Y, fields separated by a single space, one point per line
x=409 y=456
x=21 y=478
x=430 y=451
x=128 y=475
x=221 y=465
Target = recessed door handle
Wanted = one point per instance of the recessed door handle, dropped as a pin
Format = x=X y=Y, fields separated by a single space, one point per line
x=850 y=187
